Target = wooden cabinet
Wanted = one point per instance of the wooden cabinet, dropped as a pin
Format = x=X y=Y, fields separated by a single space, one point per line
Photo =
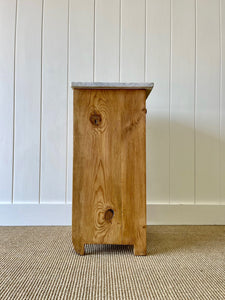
x=109 y=165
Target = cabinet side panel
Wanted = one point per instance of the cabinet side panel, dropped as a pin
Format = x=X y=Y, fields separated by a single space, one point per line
x=96 y=169
x=133 y=159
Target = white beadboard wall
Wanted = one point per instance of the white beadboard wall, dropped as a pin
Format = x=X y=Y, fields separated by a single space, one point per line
x=177 y=44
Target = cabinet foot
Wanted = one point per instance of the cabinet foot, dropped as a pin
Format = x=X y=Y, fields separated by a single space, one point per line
x=78 y=247
x=139 y=251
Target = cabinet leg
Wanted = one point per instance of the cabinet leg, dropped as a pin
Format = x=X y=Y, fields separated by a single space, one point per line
x=79 y=247
x=140 y=250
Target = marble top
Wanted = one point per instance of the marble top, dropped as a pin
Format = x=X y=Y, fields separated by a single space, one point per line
x=114 y=85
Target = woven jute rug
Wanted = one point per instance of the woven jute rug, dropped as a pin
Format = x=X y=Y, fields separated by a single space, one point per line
x=183 y=262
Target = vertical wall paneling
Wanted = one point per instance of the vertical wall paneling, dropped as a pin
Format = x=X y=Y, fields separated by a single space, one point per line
x=81 y=61
x=208 y=102
x=158 y=71
x=177 y=44
x=54 y=101
x=182 y=102
x=27 y=101
x=132 y=40
x=107 y=31
x=81 y=29
x=222 y=101
x=7 y=38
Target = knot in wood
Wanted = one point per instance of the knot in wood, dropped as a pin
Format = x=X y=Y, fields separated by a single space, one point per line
x=109 y=213
x=95 y=118
x=144 y=110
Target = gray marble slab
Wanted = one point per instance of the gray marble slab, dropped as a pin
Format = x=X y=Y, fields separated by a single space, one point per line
x=114 y=85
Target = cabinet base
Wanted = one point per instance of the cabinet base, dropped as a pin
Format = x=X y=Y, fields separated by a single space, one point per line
x=80 y=249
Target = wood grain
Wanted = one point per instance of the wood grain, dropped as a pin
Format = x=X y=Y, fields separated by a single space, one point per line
x=133 y=168
x=109 y=184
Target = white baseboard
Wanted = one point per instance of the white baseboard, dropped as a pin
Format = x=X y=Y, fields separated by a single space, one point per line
x=160 y=214
x=157 y=214
x=35 y=214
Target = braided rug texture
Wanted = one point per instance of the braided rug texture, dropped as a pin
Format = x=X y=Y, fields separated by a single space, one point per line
x=183 y=262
